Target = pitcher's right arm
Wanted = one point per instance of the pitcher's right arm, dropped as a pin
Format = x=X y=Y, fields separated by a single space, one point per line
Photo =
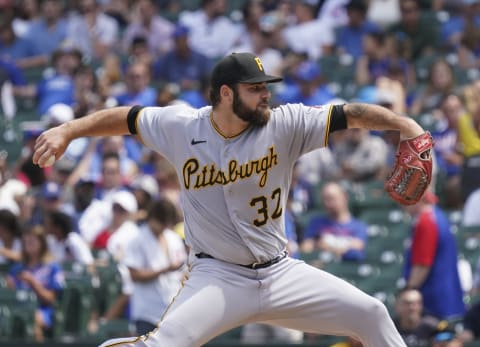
x=108 y=122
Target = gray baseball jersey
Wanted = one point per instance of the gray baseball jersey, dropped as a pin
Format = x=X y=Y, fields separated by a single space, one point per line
x=237 y=223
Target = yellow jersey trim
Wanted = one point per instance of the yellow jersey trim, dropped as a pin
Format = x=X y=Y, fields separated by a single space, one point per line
x=327 y=128
x=136 y=339
x=219 y=132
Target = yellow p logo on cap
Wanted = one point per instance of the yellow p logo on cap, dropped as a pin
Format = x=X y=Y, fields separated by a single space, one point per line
x=259 y=63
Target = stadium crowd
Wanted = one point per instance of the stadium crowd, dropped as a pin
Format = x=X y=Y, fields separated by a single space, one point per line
x=95 y=241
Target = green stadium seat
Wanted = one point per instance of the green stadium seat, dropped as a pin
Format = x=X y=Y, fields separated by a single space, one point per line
x=20 y=307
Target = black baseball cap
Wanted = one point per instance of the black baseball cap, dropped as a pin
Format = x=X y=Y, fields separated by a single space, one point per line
x=240 y=68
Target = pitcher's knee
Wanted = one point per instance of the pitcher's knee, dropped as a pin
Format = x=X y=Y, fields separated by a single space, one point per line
x=376 y=312
x=170 y=334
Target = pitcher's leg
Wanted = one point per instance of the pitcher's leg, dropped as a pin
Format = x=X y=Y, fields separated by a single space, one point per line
x=211 y=302
x=313 y=300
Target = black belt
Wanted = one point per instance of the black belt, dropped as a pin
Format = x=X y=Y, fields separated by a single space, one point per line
x=253 y=265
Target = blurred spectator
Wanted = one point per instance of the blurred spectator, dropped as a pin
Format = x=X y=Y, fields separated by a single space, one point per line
x=414 y=326
x=11 y=189
x=384 y=12
x=168 y=183
x=145 y=189
x=338 y=233
x=37 y=274
x=50 y=199
x=149 y=24
x=57 y=87
x=469 y=50
x=10 y=244
x=462 y=15
x=64 y=244
x=309 y=35
x=377 y=60
x=469 y=138
x=447 y=153
x=317 y=166
x=361 y=156
x=15 y=49
x=441 y=82
x=139 y=52
x=93 y=32
x=307 y=88
x=431 y=260
x=27 y=12
x=416 y=31
x=121 y=229
x=11 y=72
x=116 y=237
x=155 y=259
x=87 y=93
x=349 y=37
x=262 y=43
x=252 y=12
x=471 y=323
x=83 y=195
x=211 y=33
x=137 y=80
x=300 y=195
x=182 y=65
x=471 y=217
x=111 y=164
x=333 y=12
x=120 y=10
x=47 y=33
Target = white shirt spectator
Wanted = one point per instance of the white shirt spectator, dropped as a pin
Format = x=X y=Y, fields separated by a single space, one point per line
x=74 y=248
x=334 y=13
x=384 y=12
x=316 y=166
x=82 y=37
x=8 y=193
x=150 y=299
x=471 y=217
x=158 y=35
x=211 y=38
x=95 y=218
x=120 y=239
x=309 y=37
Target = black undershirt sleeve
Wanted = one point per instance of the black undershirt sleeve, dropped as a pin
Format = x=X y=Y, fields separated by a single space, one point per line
x=132 y=118
x=338 y=119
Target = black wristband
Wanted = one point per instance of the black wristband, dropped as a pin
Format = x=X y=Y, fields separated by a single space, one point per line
x=338 y=119
x=132 y=119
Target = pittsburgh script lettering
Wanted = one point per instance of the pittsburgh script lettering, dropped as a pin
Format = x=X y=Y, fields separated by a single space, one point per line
x=196 y=176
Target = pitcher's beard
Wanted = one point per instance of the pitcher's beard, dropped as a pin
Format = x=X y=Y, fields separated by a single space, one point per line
x=256 y=117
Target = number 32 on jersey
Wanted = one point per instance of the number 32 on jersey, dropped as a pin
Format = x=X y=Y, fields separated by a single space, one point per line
x=263 y=203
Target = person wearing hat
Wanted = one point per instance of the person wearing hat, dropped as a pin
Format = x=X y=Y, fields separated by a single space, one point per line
x=234 y=161
x=431 y=260
x=307 y=87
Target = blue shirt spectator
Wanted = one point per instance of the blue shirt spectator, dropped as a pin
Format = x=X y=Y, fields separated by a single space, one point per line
x=9 y=71
x=338 y=232
x=306 y=88
x=431 y=261
x=182 y=64
x=349 y=37
x=44 y=39
x=57 y=89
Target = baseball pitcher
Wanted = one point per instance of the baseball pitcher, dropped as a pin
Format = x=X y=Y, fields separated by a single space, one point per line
x=234 y=161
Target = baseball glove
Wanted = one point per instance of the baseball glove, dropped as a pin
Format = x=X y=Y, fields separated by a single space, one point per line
x=412 y=170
